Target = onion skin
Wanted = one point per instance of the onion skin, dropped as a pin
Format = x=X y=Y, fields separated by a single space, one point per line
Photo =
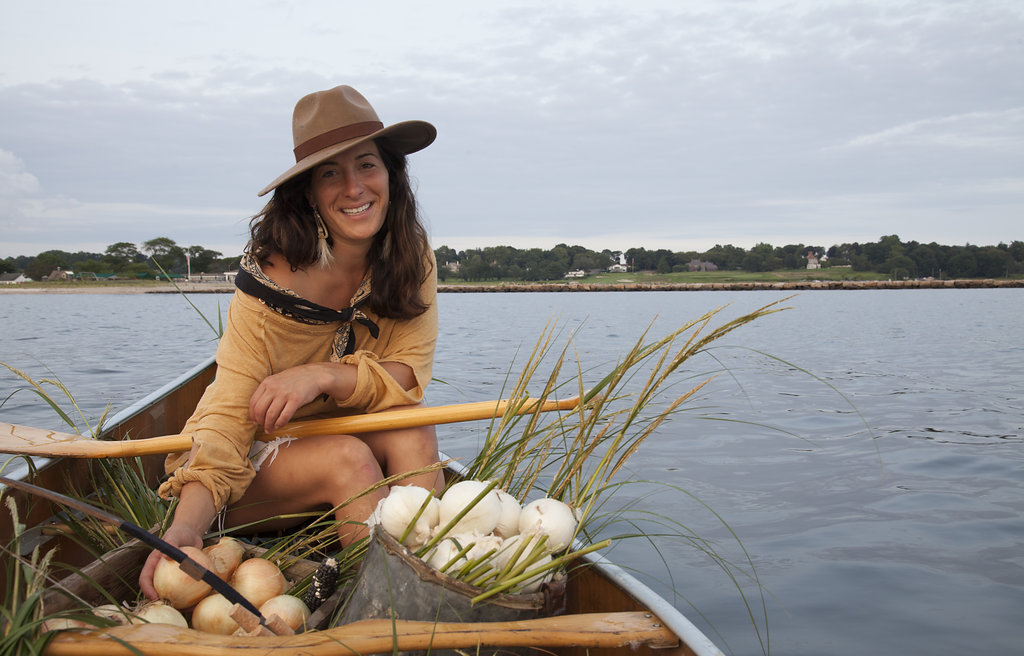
x=111 y=612
x=508 y=520
x=226 y=554
x=159 y=612
x=400 y=506
x=175 y=586
x=258 y=579
x=549 y=517
x=62 y=623
x=212 y=615
x=481 y=519
x=292 y=610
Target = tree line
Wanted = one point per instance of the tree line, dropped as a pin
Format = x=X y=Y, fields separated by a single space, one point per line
x=889 y=255
x=125 y=259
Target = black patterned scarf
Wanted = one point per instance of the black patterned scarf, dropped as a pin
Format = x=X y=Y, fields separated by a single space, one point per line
x=253 y=281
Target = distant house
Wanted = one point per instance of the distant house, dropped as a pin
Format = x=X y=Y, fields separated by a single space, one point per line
x=13 y=278
x=578 y=273
x=812 y=261
x=618 y=268
x=58 y=274
x=700 y=265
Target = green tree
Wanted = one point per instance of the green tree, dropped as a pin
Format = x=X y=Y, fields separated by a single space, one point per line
x=925 y=260
x=900 y=267
x=753 y=262
x=45 y=263
x=445 y=255
x=121 y=254
x=203 y=260
x=963 y=265
x=167 y=254
x=993 y=262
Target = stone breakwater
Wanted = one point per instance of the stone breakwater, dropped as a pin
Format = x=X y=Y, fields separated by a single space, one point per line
x=732 y=286
x=220 y=288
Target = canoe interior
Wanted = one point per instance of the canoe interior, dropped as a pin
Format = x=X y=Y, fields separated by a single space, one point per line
x=166 y=411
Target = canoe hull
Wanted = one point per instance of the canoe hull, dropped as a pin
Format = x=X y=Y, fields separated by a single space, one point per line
x=601 y=587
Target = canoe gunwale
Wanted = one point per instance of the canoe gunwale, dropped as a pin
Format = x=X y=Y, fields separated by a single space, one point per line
x=692 y=639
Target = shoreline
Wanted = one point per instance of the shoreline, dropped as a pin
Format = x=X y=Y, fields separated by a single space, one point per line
x=208 y=288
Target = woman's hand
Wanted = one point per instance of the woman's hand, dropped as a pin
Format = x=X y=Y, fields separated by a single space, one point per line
x=179 y=537
x=280 y=396
x=192 y=517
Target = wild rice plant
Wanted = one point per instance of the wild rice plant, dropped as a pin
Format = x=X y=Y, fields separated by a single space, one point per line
x=577 y=456
x=23 y=621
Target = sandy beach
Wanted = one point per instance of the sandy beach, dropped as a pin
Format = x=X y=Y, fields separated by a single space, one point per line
x=224 y=288
x=188 y=288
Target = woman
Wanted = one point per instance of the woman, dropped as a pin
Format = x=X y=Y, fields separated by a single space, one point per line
x=334 y=309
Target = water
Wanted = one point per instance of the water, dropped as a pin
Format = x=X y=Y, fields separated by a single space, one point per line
x=870 y=458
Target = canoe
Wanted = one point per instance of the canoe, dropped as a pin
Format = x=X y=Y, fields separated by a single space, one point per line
x=608 y=611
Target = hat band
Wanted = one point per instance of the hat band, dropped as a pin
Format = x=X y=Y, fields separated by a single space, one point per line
x=336 y=136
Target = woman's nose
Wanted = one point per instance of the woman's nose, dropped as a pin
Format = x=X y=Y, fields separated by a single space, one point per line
x=352 y=185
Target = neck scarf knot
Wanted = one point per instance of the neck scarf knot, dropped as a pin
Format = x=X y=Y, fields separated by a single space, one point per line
x=253 y=281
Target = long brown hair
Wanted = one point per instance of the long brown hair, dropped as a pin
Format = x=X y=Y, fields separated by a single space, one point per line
x=398 y=255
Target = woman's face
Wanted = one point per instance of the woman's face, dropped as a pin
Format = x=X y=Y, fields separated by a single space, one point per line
x=351 y=192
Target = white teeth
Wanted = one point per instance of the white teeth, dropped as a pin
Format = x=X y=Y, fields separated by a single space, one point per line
x=357 y=210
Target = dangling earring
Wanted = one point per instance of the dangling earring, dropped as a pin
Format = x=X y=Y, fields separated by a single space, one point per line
x=324 y=256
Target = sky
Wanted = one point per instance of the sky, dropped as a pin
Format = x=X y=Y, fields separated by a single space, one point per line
x=675 y=124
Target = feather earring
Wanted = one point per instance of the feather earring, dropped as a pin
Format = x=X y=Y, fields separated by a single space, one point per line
x=324 y=256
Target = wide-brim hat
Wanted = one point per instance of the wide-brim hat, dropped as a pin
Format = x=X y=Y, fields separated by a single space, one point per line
x=327 y=122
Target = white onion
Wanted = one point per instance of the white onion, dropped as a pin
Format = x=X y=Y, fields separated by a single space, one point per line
x=258 y=579
x=502 y=561
x=443 y=552
x=508 y=519
x=482 y=518
x=111 y=612
x=178 y=588
x=509 y=548
x=226 y=555
x=482 y=544
x=549 y=517
x=397 y=509
x=212 y=615
x=61 y=623
x=533 y=584
x=291 y=609
x=159 y=612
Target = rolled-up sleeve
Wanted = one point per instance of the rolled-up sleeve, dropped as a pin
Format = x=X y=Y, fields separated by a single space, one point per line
x=408 y=341
x=255 y=344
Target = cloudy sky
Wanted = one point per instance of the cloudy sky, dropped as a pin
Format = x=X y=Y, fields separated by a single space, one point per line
x=657 y=123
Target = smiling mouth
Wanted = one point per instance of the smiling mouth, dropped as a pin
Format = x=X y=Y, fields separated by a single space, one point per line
x=357 y=210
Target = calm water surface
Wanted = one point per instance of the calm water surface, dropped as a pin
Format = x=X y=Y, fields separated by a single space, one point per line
x=865 y=446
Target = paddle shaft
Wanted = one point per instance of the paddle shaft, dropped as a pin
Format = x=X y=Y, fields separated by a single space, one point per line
x=187 y=565
x=26 y=440
x=611 y=630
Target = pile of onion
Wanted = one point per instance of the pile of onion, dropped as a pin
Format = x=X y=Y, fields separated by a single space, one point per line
x=257 y=579
x=473 y=522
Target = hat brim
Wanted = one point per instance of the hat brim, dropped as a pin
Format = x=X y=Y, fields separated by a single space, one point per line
x=407 y=137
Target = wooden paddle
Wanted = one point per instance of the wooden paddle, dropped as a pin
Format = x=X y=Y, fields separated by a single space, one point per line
x=26 y=440
x=617 y=629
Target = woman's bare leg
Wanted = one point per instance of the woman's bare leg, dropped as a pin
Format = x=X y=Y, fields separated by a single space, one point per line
x=308 y=473
x=407 y=449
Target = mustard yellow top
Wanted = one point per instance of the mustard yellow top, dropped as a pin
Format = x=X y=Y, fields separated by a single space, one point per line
x=259 y=342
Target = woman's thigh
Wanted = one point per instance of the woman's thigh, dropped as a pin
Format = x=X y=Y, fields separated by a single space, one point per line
x=320 y=471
